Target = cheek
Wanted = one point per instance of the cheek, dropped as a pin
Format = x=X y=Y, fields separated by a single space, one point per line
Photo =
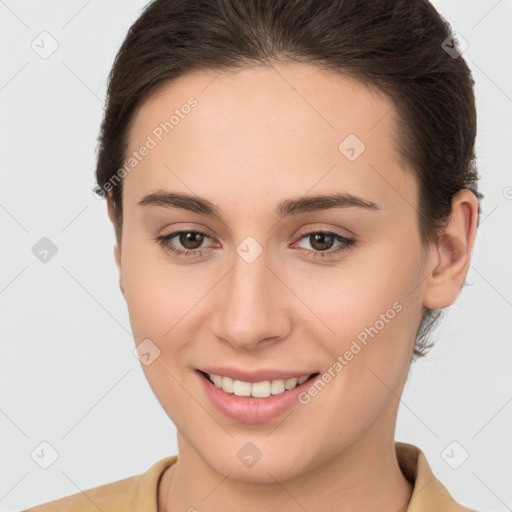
x=368 y=289
x=160 y=299
x=367 y=314
x=157 y=293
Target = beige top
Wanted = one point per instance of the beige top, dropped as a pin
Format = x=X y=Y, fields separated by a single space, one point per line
x=140 y=493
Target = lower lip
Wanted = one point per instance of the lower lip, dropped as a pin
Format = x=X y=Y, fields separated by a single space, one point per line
x=250 y=409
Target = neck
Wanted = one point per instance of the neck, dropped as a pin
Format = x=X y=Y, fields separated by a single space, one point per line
x=365 y=476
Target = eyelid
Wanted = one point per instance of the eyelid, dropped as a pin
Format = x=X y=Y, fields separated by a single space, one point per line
x=174 y=230
x=334 y=230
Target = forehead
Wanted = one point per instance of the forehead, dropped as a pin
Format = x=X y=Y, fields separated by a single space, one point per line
x=286 y=126
x=269 y=98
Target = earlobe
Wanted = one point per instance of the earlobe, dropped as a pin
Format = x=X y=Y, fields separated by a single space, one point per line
x=110 y=207
x=453 y=253
x=117 y=257
x=117 y=252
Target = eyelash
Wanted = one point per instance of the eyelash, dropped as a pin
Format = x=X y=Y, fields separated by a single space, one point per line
x=347 y=243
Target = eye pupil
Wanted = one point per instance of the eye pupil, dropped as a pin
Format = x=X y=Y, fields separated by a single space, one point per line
x=191 y=237
x=320 y=237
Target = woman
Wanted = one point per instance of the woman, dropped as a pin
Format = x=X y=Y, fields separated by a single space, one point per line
x=294 y=194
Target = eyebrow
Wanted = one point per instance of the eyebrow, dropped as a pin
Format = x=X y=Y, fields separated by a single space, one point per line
x=288 y=207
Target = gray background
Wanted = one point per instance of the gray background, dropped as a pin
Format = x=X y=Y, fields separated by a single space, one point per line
x=68 y=375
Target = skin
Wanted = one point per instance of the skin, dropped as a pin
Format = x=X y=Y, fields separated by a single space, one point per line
x=253 y=141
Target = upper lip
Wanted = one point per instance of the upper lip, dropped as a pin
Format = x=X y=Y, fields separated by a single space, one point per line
x=255 y=375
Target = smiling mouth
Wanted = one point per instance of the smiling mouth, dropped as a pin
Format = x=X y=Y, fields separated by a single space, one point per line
x=262 y=389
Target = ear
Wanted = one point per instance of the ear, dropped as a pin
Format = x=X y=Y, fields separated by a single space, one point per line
x=117 y=251
x=452 y=252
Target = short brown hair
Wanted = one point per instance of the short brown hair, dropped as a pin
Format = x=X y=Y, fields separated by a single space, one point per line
x=394 y=45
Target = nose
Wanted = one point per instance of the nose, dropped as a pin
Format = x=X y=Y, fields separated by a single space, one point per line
x=254 y=306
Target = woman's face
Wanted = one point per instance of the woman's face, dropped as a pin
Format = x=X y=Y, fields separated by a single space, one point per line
x=262 y=295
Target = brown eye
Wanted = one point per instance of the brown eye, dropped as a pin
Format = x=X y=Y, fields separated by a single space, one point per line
x=191 y=239
x=183 y=243
x=321 y=241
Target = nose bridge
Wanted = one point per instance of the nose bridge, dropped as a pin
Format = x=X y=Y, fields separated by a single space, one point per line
x=253 y=307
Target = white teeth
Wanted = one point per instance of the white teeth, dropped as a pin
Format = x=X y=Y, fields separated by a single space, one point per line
x=241 y=388
x=277 y=386
x=227 y=384
x=261 y=389
x=290 y=383
x=217 y=380
x=256 y=389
